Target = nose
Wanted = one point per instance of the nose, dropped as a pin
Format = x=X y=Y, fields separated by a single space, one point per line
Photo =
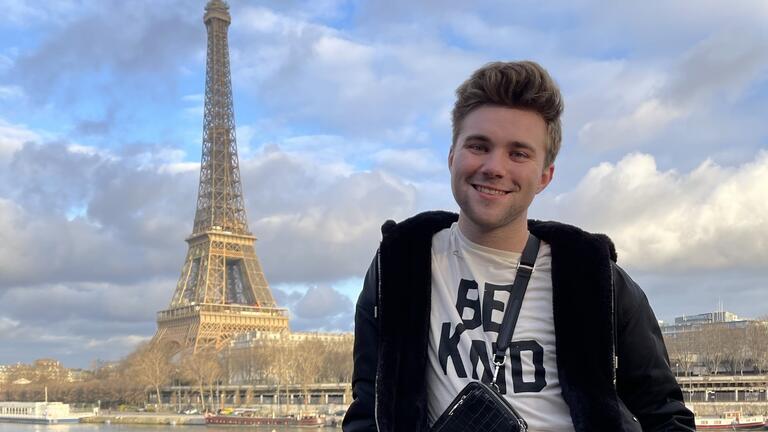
x=493 y=164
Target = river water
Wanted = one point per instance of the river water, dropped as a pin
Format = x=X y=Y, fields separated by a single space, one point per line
x=16 y=427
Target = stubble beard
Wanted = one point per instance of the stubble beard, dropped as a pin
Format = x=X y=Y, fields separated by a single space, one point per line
x=486 y=225
x=482 y=221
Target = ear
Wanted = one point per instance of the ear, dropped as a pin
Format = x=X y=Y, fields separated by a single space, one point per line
x=546 y=177
x=450 y=156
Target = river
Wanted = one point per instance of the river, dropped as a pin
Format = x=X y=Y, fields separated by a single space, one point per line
x=16 y=427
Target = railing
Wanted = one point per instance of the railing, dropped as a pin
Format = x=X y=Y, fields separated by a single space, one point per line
x=269 y=394
x=194 y=309
x=724 y=388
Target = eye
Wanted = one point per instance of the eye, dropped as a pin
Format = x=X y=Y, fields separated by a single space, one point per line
x=475 y=146
x=518 y=154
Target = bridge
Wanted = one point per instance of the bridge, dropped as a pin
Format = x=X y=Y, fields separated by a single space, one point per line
x=724 y=388
x=699 y=391
x=259 y=394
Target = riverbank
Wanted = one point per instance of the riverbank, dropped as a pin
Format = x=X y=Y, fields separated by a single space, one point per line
x=717 y=408
x=146 y=419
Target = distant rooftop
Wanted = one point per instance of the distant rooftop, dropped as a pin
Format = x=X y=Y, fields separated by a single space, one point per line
x=707 y=318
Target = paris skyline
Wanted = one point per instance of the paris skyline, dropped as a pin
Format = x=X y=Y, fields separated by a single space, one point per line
x=342 y=112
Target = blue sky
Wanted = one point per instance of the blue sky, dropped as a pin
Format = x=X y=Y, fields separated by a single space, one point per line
x=343 y=114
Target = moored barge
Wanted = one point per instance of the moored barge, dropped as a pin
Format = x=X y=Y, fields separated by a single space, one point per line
x=731 y=421
x=36 y=412
x=246 y=420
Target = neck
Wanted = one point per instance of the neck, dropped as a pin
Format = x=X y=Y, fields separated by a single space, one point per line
x=511 y=237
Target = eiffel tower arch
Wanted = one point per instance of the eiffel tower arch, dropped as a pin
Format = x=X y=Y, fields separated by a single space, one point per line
x=222 y=290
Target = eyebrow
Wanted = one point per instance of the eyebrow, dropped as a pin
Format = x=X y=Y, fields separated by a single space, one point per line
x=477 y=137
x=514 y=144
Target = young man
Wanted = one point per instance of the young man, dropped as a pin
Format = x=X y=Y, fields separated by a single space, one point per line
x=586 y=354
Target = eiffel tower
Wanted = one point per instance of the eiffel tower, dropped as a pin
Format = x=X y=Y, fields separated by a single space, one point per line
x=222 y=289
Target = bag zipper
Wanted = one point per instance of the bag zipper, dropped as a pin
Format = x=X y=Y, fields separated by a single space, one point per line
x=461 y=401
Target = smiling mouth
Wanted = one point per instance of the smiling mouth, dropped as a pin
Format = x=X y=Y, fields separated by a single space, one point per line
x=489 y=190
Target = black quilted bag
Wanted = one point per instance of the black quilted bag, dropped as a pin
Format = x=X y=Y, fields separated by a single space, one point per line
x=479 y=408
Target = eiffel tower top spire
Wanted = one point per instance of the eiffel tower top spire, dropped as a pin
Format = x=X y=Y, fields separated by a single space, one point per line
x=220 y=204
x=218 y=9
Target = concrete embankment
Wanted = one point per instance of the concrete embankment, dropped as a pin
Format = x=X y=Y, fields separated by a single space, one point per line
x=145 y=419
x=718 y=408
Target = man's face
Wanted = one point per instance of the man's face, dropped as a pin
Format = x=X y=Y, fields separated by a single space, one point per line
x=497 y=167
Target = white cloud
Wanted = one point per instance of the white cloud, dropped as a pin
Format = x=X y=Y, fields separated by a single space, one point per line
x=303 y=71
x=718 y=68
x=197 y=97
x=330 y=155
x=9 y=216
x=92 y=151
x=10 y=93
x=332 y=234
x=5 y=62
x=651 y=24
x=713 y=217
x=74 y=214
x=20 y=12
x=8 y=328
x=409 y=162
x=13 y=137
x=316 y=307
x=72 y=318
x=83 y=42
x=496 y=37
x=643 y=124
x=264 y=20
x=179 y=167
x=322 y=301
x=95 y=217
x=339 y=53
x=637 y=108
x=125 y=343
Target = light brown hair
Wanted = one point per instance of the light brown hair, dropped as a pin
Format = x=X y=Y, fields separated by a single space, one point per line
x=523 y=85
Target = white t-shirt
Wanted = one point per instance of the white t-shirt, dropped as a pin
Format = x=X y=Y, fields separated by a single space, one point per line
x=470 y=289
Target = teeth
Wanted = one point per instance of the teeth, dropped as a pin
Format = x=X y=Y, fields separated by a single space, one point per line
x=490 y=191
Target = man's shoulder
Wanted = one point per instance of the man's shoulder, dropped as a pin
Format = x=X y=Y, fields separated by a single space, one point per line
x=560 y=236
x=564 y=237
x=424 y=224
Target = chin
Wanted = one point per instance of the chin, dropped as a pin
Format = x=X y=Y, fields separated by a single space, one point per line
x=488 y=222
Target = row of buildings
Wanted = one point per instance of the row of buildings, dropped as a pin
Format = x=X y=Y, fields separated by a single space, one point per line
x=40 y=371
x=687 y=323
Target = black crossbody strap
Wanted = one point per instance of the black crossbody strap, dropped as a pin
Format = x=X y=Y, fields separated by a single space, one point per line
x=515 y=302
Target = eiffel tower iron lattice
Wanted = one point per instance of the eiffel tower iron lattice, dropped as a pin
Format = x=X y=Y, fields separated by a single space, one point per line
x=222 y=290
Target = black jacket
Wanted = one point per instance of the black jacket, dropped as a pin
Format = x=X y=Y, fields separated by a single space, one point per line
x=599 y=313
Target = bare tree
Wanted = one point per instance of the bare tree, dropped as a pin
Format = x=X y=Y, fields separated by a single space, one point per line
x=203 y=368
x=682 y=350
x=246 y=365
x=152 y=368
x=308 y=357
x=712 y=343
x=741 y=353
x=757 y=341
x=336 y=366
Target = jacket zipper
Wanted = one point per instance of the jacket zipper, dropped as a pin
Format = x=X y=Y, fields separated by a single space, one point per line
x=614 y=352
x=376 y=316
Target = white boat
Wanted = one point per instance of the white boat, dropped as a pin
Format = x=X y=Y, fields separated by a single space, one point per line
x=36 y=412
x=730 y=421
